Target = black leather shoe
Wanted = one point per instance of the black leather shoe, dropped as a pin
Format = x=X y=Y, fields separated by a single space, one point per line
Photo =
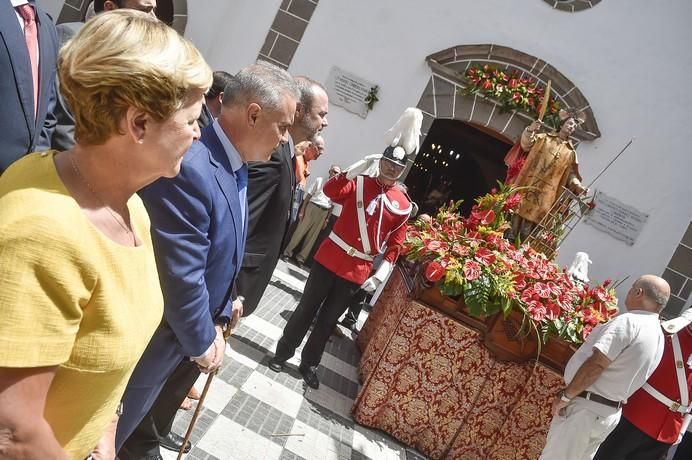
x=174 y=442
x=276 y=364
x=310 y=377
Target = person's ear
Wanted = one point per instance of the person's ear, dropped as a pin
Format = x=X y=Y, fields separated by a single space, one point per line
x=136 y=124
x=299 y=111
x=253 y=114
x=109 y=5
x=220 y=97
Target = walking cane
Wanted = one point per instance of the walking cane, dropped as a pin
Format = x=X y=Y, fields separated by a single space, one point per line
x=200 y=403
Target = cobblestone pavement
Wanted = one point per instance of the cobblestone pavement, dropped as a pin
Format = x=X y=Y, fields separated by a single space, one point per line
x=253 y=413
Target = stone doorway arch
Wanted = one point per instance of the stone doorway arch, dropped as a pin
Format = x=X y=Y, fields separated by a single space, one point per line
x=441 y=98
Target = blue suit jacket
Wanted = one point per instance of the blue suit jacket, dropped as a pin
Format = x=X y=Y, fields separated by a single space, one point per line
x=23 y=133
x=199 y=241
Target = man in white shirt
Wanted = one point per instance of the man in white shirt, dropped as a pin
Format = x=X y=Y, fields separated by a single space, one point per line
x=615 y=360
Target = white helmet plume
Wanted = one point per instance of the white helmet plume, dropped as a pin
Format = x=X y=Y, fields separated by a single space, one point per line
x=406 y=131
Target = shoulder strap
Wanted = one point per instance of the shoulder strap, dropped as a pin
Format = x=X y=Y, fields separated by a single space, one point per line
x=360 y=210
x=680 y=370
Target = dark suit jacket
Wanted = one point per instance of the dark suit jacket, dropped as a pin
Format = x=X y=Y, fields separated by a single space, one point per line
x=63 y=135
x=23 y=133
x=270 y=194
x=198 y=241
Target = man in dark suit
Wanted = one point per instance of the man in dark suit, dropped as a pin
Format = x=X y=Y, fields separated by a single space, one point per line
x=28 y=52
x=270 y=194
x=199 y=222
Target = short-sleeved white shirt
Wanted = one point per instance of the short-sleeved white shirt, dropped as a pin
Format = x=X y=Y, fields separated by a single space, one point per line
x=633 y=342
x=317 y=195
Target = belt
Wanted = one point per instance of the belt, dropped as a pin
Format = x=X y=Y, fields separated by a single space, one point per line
x=599 y=399
x=319 y=206
x=666 y=401
x=350 y=250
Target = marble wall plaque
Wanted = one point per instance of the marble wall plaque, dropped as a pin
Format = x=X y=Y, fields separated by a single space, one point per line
x=616 y=218
x=348 y=91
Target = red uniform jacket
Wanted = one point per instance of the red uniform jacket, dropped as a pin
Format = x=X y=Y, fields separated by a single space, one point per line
x=391 y=231
x=646 y=412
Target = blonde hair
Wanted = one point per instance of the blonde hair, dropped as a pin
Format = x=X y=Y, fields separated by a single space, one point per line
x=126 y=58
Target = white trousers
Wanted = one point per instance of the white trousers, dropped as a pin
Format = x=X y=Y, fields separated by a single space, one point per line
x=577 y=434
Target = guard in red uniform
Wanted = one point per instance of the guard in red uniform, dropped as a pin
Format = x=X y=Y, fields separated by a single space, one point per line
x=657 y=415
x=374 y=215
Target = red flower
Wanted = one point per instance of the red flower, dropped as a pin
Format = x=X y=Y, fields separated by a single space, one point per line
x=485 y=256
x=472 y=270
x=461 y=250
x=528 y=295
x=484 y=217
x=473 y=235
x=542 y=290
x=552 y=311
x=434 y=272
x=514 y=200
x=487 y=85
x=433 y=245
x=513 y=83
x=536 y=310
x=519 y=282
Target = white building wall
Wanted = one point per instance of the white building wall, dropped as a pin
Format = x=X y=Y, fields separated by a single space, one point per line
x=229 y=33
x=628 y=57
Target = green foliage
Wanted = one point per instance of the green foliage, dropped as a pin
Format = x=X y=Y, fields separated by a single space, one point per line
x=477 y=295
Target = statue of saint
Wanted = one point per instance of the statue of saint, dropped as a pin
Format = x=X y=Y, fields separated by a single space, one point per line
x=550 y=164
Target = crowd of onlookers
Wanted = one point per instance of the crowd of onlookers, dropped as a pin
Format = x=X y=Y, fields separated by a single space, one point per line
x=144 y=204
x=149 y=220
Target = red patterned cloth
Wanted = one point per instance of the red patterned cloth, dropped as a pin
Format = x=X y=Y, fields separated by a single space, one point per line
x=431 y=383
x=381 y=324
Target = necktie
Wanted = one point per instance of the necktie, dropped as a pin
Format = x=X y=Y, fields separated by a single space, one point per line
x=241 y=180
x=27 y=13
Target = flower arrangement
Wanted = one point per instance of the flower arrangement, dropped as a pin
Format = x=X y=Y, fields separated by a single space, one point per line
x=511 y=91
x=371 y=97
x=470 y=257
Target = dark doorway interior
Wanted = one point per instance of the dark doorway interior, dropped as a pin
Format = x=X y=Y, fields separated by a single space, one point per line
x=456 y=161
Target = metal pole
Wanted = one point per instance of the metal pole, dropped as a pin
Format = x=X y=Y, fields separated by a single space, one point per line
x=611 y=162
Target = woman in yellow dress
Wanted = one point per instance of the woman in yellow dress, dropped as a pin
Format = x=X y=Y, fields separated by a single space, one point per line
x=79 y=291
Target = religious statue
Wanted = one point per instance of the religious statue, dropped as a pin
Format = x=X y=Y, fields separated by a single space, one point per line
x=551 y=163
x=579 y=268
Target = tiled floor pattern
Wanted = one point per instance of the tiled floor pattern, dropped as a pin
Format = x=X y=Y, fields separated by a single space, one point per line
x=253 y=413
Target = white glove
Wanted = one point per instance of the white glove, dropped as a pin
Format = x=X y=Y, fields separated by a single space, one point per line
x=360 y=167
x=685 y=424
x=371 y=284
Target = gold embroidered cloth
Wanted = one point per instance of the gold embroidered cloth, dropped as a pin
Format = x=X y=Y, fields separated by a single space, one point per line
x=430 y=383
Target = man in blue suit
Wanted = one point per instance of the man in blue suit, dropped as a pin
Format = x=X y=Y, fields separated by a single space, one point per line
x=199 y=221
x=25 y=109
